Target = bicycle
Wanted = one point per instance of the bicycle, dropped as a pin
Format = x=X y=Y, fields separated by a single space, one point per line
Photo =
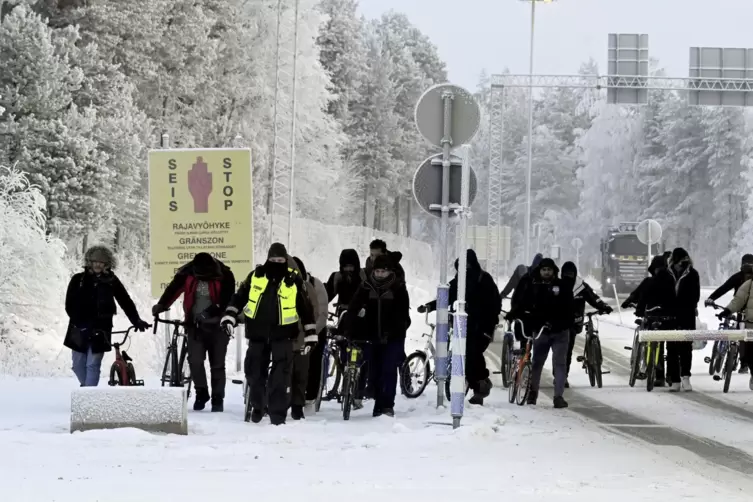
x=122 y=372
x=174 y=373
x=421 y=370
x=645 y=357
x=352 y=375
x=725 y=354
x=331 y=364
x=524 y=367
x=592 y=357
x=507 y=357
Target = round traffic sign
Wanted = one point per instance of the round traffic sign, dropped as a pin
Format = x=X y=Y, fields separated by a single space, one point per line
x=427 y=183
x=577 y=243
x=648 y=228
x=465 y=117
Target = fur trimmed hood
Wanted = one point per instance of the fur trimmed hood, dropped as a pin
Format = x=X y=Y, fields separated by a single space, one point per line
x=102 y=254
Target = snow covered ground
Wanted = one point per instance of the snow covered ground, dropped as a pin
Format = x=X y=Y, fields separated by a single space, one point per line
x=501 y=450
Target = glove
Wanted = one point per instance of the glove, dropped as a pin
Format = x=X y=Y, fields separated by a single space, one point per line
x=606 y=309
x=709 y=302
x=724 y=314
x=309 y=341
x=141 y=326
x=422 y=309
x=626 y=304
x=158 y=309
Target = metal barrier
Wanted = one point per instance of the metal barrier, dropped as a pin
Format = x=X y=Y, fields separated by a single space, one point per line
x=696 y=335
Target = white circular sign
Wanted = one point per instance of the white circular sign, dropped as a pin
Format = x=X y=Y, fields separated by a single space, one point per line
x=643 y=231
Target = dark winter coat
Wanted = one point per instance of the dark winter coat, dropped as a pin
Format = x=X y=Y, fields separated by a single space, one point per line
x=483 y=301
x=582 y=294
x=517 y=275
x=344 y=285
x=732 y=284
x=387 y=311
x=658 y=263
x=526 y=280
x=221 y=287
x=540 y=303
x=673 y=295
x=90 y=305
x=265 y=327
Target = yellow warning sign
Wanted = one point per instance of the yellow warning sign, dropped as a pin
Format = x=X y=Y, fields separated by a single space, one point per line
x=200 y=200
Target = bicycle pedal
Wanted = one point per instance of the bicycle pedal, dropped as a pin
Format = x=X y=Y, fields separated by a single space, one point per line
x=605 y=372
x=707 y=360
x=237 y=382
x=580 y=359
x=717 y=378
x=497 y=373
x=629 y=348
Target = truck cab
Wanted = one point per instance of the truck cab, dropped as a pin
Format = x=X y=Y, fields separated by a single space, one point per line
x=624 y=259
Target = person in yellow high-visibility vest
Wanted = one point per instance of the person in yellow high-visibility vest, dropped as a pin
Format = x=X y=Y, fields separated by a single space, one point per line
x=273 y=300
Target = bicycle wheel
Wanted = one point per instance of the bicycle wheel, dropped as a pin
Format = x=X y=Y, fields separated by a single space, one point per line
x=166 y=375
x=512 y=391
x=525 y=384
x=323 y=376
x=247 y=405
x=131 y=372
x=595 y=361
x=721 y=356
x=115 y=376
x=650 y=368
x=636 y=355
x=729 y=366
x=712 y=360
x=176 y=376
x=588 y=354
x=506 y=358
x=416 y=364
x=347 y=397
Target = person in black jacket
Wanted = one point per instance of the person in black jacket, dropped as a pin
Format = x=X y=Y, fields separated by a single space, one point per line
x=675 y=293
x=483 y=305
x=658 y=262
x=207 y=285
x=733 y=284
x=273 y=301
x=379 y=248
x=582 y=293
x=385 y=303
x=520 y=272
x=90 y=305
x=547 y=302
x=344 y=283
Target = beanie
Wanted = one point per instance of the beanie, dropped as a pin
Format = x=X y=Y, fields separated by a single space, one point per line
x=383 y=262
x=277 y=250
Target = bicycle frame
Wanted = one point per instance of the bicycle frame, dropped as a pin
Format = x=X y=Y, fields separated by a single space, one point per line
x=529 y=349
x=122 y=358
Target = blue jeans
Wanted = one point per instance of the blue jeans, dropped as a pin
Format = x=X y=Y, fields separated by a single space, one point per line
x=86 y=366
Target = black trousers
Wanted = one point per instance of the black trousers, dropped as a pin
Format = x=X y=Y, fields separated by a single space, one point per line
x=273 y=385
x=315 y=367
x=300 y=378
x=476 y=371
x=211 y=342
x=679 y=360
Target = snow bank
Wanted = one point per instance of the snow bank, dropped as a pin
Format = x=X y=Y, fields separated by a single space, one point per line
x=159 y=409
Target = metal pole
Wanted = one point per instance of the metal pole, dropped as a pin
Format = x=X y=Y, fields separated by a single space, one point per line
x=457 y=383
x=443 y=291
x=165 y=143
x=648 y=256
x=577 y=260
x=293 y=125
x=530 y=139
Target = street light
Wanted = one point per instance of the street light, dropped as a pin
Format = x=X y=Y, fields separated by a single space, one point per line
x=530 y=130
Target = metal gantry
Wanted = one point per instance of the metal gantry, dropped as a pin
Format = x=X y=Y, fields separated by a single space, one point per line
x=594 y=82
x=282 y=201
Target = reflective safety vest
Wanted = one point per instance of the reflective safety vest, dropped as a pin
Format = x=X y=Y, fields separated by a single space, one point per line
x=286 y=297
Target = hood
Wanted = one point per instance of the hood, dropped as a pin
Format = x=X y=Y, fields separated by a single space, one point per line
x=521 y=270
x=569 y=266
x=548 y=263
x=205 y=265
x=350 y=257
x=677 y=256
x=658 y=262
x=472 y=260
x=536 y=260
x=102 y=254
x=301 y=267
x=395 y=256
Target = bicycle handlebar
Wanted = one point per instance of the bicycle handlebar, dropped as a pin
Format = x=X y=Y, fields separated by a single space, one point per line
x=170 y=322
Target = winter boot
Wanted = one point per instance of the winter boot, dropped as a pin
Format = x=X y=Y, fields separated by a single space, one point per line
x=218 y=405
x=533 y=396
x=559 y=402
x=659 y=382
x=750 y=383
x=390 y=412
x=476 y=400
x=256 y=415
x=277 y=420
x=357 y=404
x=743 y=369
x=296 y=412
x=377 y=412
x=484 y=388
x=202 y=398
x=675 y=387
x=686 y=387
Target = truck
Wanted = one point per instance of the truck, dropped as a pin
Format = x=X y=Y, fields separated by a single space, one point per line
x=624 y=258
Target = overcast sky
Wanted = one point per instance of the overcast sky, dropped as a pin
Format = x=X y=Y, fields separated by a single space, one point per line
x=494 y=34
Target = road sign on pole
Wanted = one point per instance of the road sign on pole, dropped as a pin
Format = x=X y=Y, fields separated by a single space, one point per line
x=649 y=232
x=577 y=243
x=627 y=68
x=710 y=67
x=447 y=116
x=427 y=184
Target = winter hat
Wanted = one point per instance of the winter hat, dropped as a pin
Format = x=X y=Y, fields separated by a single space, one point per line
x=569 y=268
x=350 y=257
x=277 y=250
x=383 y=262
x=471 y=260
x=678 y=255
x=747 y=258
x=747 y=269
x=101 y=254
x=548 y=263
x=204 y=265
x=658 y=262
x=301 y=267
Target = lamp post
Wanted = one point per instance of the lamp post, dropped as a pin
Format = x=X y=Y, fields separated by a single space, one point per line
x=527 y=246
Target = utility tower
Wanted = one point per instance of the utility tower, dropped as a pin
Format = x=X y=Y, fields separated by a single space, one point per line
x=282 y=202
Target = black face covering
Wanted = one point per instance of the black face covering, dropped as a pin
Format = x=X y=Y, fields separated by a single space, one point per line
x=276 y=270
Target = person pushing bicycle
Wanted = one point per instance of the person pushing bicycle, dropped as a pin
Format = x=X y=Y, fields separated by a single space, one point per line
x=207 y=285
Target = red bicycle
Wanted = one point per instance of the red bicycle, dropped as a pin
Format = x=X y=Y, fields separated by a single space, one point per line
x=121 y=371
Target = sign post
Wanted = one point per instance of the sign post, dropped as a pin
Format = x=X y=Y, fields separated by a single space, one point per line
x=649 y=232
x=200 y=200
x=577 y=244
x=447 y=116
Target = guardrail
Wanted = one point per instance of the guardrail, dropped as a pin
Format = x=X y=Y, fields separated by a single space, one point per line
x=696 y=335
